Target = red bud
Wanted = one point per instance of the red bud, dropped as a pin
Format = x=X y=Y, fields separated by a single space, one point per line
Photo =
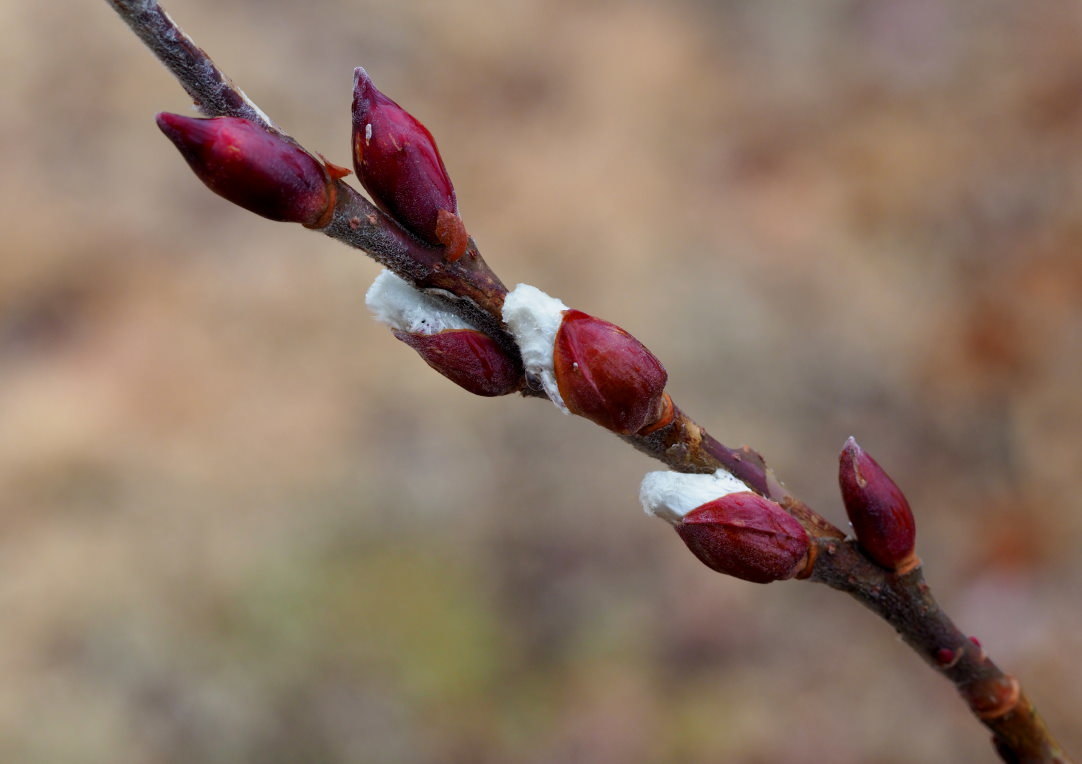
x=747 y=536
x=878 y=510
x=253 y=168
x=606 y=375
x=400 y=167
x=467 y=357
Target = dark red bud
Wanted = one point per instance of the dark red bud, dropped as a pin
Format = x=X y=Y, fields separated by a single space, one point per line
x=878 y=510
x=467 y=357
x=255 y=169
x=747 y=536
x=606 y=375
x=398 y=163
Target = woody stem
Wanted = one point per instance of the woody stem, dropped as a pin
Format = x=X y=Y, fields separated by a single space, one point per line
x=474 y=291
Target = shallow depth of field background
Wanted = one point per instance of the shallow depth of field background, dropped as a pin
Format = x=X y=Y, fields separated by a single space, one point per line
x=240 y=522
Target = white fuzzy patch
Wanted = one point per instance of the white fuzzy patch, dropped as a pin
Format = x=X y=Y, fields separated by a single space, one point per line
x=534 y=318
x=396 y=303
x=671 y=495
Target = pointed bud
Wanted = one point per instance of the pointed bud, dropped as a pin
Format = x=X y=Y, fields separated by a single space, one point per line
x=467 y=357
x=400 y=167
x=747 y=536
x=878 y=510
x=606 y=375
x=255 y=169
x=449 y=344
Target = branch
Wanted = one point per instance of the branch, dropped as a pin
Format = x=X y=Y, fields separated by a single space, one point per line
x=906 y=603
x=895 y=591
x=356 y=221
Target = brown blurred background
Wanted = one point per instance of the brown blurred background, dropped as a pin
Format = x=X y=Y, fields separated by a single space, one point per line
x=240 y=522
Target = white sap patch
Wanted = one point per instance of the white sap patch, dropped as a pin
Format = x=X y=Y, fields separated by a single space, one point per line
x=534 y=318
x=671 y=495
x=367 y=133
x=396 y=303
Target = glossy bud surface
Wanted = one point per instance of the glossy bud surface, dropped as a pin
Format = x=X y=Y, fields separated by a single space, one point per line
x=747 y=536
x=467 y=357
x=606 y=375
x=398 y=164
x=877 y=508
x=253 y=168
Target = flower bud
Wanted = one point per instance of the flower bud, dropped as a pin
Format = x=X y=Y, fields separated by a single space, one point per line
x=729 y=528
x=878 y=510
x=606 y=375
x=400 y=167
x=747 y=536
x=255 y=169
x=467 y=357
x=449 y=344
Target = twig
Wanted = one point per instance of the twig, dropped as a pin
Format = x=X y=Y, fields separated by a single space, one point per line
x=356 y=221
x=906 y=602
x=472 y=289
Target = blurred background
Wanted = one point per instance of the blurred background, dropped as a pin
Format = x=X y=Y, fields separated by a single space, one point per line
x=240 y=522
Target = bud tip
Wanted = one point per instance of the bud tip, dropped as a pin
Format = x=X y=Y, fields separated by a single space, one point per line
x=878 y=510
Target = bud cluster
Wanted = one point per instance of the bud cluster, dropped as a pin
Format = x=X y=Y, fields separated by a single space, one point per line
x=395 y=157
x=587 y=366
